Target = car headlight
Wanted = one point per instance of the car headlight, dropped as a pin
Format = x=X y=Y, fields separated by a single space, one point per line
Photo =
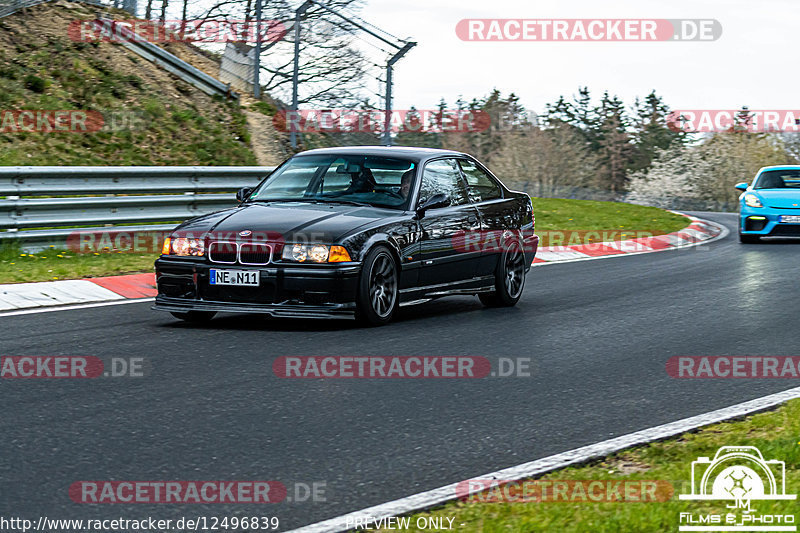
x=315 y=253
x=752 y=200
x=184 y=246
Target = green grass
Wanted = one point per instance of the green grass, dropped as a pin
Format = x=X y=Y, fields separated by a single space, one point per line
x=48 y=265
x=152 y=118
x=560 y=221
x=555 y=218
x=265 y=108
x=774 y=433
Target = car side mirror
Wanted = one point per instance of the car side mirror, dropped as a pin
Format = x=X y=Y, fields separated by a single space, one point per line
x=434 y=202
x=243 y=193
x=741 y=186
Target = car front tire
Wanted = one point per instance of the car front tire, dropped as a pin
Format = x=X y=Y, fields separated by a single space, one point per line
x=509 y=279
x=376 y=301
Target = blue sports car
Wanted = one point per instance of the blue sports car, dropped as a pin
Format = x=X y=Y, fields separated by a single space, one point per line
x=770 y=206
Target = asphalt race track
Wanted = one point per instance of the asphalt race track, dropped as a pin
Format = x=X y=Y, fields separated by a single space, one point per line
x=598 y=332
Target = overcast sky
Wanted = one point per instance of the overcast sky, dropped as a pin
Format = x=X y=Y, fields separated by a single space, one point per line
x=753 y=63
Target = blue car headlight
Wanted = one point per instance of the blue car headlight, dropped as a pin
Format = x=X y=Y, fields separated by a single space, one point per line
x=751 y=200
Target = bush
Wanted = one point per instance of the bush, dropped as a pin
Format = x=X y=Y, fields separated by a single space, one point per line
x=36 y=84
x=265 y=108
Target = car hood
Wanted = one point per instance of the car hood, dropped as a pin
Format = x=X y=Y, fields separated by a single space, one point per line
x=780 y=198
x=287 y=222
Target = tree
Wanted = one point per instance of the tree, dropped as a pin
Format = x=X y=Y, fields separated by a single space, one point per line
x=579 y=113
x=613 y=142
x=415 y=131
x=706 y=173
x=332 y=68
x=791 y=143
x=671 y=180
x=556 y=161
x=736 y=157
x=494 y=119
x=651 y=132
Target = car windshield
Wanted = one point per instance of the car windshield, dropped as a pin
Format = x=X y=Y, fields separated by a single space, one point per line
x=779 y=179
x=357 y=179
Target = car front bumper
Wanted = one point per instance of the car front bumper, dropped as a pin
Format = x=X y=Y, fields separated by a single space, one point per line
x=308 y=291
x=765 y=221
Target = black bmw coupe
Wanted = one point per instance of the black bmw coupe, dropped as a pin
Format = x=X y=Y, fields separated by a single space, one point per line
x=353 y=232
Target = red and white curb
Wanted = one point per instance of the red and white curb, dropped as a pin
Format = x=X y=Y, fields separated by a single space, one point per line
x=30 y=296
x=23 y=298
x=698 y=232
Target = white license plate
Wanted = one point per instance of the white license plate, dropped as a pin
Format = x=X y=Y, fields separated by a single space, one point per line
x=233 y=277
x=790 y=219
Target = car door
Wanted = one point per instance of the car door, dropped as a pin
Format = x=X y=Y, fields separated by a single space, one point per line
x=496 y=213
x=443 y=261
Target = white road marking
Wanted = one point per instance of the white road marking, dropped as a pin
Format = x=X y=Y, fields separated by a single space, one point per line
x=72 y=307
x=560 y=256
x=48 y=293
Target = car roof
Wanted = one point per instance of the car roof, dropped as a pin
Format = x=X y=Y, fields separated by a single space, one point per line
x=778 y=167
x=408 y=152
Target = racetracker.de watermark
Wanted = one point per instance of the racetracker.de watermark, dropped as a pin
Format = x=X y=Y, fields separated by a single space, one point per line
x=374 y=121
x=734 y=367
x=588 y=30
x=113 y=240
x=177 y=492
x=575 y=491
x=497 y=241
x=71 y=367
x=70 y=121
x=399 y=367
x=728 y=120
x=485 y=241
x=170 y=31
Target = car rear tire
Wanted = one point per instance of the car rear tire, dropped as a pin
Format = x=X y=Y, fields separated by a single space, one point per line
x=509 y=279
x=196 y=317
x=376 y=301
x=749 y=239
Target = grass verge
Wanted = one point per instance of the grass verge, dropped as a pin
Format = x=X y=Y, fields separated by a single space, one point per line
x=555 y=219
x=775 y=433
x=149 y=116
x=560 y=221
x=18 y=266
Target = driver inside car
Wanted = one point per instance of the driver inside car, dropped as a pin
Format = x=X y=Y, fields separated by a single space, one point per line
x=405 y=183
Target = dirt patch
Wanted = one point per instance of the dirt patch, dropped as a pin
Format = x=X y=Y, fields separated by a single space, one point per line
x=195 y=57
x=625 y=466
x=263 y=138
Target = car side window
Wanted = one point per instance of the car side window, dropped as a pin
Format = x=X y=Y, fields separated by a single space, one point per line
x=443 y=176
x=481 y=186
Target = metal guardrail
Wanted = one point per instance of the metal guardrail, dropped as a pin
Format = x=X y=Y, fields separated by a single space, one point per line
x=46 y=205
x=139 y=45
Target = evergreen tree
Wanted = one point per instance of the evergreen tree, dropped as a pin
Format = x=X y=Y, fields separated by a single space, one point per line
x=614 y=147
x=415 y=131
x=651 y=132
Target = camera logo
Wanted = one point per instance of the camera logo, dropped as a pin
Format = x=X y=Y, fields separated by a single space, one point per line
x=738 y=475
